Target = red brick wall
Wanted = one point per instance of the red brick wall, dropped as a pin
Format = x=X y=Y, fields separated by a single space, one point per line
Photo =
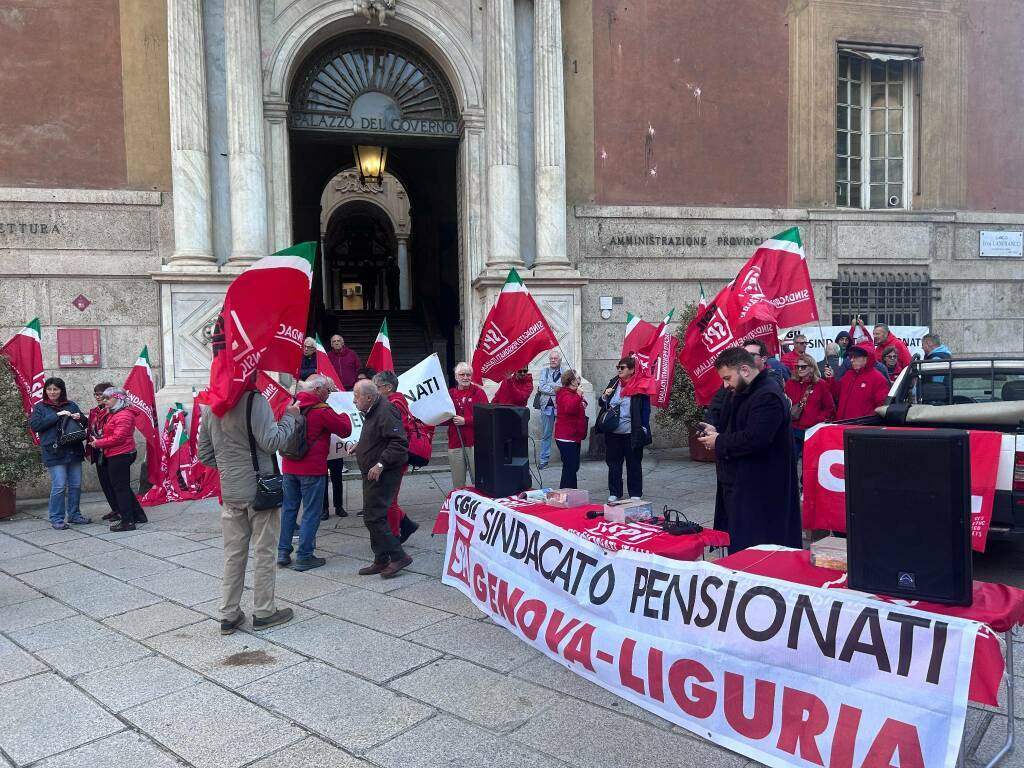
x=712 y=80
x=995 y=110
x=62 y=118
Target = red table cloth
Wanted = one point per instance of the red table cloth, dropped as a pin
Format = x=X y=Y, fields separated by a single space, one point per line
x=998 y=606
x=638 y=537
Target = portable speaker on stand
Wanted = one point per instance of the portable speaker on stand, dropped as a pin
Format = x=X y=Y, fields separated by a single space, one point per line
x=502 y=462
x=908 y=513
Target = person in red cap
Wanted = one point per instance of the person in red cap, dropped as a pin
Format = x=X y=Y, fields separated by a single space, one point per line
x=862 y=389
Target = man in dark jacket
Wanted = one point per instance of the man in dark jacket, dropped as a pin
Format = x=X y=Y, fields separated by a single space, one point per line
x=382 y=452
x=308 y=365
x=758 y=497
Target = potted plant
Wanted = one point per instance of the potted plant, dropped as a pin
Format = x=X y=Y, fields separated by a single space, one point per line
x=19 y=456
x=683 y=413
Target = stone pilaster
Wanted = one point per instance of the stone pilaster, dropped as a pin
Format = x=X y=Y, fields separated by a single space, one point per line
x=279 y=174
x=246 y=169
x=502 y=138
x=549 y=137
x=190 y=151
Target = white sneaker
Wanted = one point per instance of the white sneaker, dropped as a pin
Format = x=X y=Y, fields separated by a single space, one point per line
x=636 y=498
x=612 y=498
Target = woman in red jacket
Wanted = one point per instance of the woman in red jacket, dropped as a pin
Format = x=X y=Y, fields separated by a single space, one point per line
x=97 y=418
x=811 y=398
x=118 y=446
x=570 y=426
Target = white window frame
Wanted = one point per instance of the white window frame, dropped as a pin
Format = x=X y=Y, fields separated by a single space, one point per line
x=907 y=57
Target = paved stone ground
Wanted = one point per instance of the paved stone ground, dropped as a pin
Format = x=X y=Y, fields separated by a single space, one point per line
x=110 y=657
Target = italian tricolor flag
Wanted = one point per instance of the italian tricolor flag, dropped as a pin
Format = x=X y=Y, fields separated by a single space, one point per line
x=262 y=323
x=24 y=352
x=141 y=390
x=380 y=355
x=513 y=334
x=639 y=335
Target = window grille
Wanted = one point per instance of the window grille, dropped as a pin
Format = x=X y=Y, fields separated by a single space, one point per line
x=893 y=298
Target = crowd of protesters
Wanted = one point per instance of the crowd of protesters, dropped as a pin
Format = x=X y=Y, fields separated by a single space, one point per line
x=755 y=424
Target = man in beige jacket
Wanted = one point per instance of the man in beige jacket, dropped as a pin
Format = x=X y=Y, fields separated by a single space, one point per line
x=224 y=445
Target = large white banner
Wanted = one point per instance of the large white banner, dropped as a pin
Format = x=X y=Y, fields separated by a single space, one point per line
x=910 y=334
x=782 y=673
x=429 y=400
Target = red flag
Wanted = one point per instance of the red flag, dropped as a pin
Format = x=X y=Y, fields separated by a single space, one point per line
x=662 y=356
x=712 y=332
x=639 y=335
x=774 y=286
x=513 y=333
x=380 y=356
x=25 y=354
x=261 y=325
x=278 y=397
x=141 y=393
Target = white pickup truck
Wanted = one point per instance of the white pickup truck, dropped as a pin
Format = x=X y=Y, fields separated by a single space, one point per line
x=969 y=393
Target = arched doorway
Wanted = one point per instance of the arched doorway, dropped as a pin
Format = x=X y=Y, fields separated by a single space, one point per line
x=375 y=88
x=364 y=232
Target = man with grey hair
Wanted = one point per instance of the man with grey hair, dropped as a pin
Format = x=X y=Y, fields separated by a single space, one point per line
x=224 y=445
x=885 y=338
x=305 y=475
x=382 y=452
x=465 y=394
x=934 y=349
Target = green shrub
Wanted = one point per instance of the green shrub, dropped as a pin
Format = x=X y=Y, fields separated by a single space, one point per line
x=19 y=455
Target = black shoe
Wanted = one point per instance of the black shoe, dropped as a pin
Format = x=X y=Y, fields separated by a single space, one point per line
x=325 y=515
x=229 y=627
x=122 y=527
x=284 y=560
x=359 y=513
x=141 y=519
x=112 y=516
x=340 y=513
x=278 y=617
x=308 y=563
x=406 y=528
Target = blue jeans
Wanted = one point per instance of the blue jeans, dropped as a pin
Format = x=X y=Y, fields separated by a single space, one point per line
x=65 y=488
x=547 y=422
x=309 y=491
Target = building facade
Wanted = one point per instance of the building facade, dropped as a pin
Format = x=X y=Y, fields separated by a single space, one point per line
x=619 y=154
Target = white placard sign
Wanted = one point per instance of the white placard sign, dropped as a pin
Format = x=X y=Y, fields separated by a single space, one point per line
x=342 y=402
x=999 y=243
x=423 y=385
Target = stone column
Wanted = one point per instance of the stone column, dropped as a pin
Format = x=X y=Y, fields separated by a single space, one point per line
x=502 y=138
x=278 y=174
x=246 y=171
x=190 y=151
x=404 y=296
x=549 y=136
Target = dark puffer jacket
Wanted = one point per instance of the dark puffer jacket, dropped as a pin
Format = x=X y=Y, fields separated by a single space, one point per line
x=45 y=422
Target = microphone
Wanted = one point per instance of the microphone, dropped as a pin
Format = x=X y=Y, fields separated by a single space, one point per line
x=916 y=357
x=591 y=514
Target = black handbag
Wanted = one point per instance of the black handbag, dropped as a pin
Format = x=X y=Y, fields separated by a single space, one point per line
x=70 y=432
x=269 y=488
x=608 y=420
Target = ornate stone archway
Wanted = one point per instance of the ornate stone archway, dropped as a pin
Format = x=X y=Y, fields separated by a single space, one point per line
x=390 y=198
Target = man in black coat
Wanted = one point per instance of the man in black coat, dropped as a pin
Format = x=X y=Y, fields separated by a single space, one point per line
x=758 y=498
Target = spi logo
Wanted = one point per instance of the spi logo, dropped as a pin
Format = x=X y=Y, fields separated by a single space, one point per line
x=458 y=562
x=715 y=331
x=492 y=339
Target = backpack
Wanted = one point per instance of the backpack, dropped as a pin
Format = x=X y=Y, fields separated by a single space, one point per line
x=298 y=444
x=421 y=443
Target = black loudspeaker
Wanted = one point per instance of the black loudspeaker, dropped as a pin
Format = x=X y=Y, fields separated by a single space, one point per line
x=502 y=460
x=908 y=513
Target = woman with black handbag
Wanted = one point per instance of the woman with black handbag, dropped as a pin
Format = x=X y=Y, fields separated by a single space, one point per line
x=625 y=421
x=61 y=427
x=118 y=446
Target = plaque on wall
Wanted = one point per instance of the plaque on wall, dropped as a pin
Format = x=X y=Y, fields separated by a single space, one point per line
x=78 y=348
x=1001 y=244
